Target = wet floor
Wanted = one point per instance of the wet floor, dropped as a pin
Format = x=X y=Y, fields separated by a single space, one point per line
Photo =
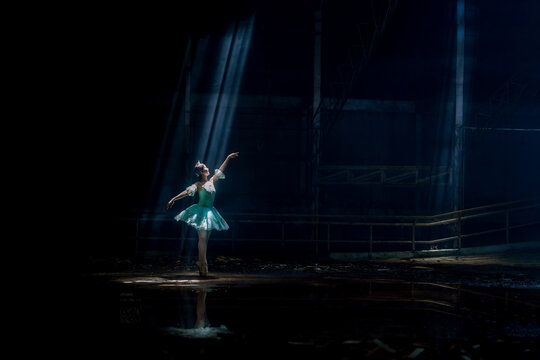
x=325 y=314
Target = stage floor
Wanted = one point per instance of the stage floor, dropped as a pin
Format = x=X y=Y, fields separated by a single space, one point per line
x=436 y=308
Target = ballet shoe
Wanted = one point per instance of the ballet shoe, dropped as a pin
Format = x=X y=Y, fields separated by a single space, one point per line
x=203 y=268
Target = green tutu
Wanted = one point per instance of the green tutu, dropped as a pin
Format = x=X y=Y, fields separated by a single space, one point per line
x=204 y=216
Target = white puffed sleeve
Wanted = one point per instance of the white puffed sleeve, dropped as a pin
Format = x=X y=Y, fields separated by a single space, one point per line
x=191 y=190
x=219 y=174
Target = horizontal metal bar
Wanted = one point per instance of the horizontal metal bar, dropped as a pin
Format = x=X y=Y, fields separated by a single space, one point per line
x=486 y=207
x=484 y=232
x=440 y=222
x=524 y=225
x=468 y=217
x=367 y=176
x=436 y=240
x=400 y=176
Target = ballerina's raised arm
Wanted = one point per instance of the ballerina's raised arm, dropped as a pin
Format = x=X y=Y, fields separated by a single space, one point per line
x=223 y=166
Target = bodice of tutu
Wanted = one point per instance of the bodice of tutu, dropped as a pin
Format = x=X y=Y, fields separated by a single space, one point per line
x=207 y=195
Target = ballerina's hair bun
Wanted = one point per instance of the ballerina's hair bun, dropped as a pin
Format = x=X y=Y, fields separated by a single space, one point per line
x=198 y=167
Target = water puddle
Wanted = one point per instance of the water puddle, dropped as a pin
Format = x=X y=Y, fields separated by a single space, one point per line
x=316 y=316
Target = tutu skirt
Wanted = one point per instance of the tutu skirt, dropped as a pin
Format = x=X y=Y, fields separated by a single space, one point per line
x=202 y=218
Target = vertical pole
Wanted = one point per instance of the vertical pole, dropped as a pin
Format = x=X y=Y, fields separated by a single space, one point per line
x=316 y=119
x=457 y=157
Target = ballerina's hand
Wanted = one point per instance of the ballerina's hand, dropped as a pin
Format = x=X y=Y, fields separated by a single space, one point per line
x=169 y=204
x=233 y=155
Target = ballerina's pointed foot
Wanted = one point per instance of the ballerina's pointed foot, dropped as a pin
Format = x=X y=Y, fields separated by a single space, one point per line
x=203 y=268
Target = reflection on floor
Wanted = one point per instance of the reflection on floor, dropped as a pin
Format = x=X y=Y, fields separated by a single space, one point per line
x=323 y=315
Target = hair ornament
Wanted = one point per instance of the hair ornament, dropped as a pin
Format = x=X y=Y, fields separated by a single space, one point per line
x=197 y=170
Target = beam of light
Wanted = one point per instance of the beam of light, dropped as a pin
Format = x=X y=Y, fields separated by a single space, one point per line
x=217 y=124
x=171 y=143
x=449 y=137
x=449 y=145
x=165 y=179
x=457 y=156
x=221 y=106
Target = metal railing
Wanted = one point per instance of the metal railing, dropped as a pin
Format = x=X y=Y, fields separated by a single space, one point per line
x=358 y=233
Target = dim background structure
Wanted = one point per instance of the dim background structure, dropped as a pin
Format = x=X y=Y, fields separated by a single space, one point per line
x=362 y=126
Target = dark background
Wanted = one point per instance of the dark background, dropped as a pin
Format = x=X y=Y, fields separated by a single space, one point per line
x=121 y=65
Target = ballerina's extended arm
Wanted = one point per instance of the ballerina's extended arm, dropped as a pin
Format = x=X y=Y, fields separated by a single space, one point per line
x=188 y=192
x=224 y=166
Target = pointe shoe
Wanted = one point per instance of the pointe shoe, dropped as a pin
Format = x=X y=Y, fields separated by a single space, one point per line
x=203 y=268
x=199 y=266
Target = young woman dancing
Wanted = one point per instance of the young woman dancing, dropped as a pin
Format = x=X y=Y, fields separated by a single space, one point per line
x=203 y=216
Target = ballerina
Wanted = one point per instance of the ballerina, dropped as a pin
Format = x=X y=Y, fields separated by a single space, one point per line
x=203 y=216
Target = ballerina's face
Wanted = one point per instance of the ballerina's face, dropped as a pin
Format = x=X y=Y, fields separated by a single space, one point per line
x=204 y=170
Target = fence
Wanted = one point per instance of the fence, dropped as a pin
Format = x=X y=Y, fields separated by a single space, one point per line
x=323 y=234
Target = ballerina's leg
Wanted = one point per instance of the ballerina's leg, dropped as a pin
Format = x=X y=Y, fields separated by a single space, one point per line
x=203 y=244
